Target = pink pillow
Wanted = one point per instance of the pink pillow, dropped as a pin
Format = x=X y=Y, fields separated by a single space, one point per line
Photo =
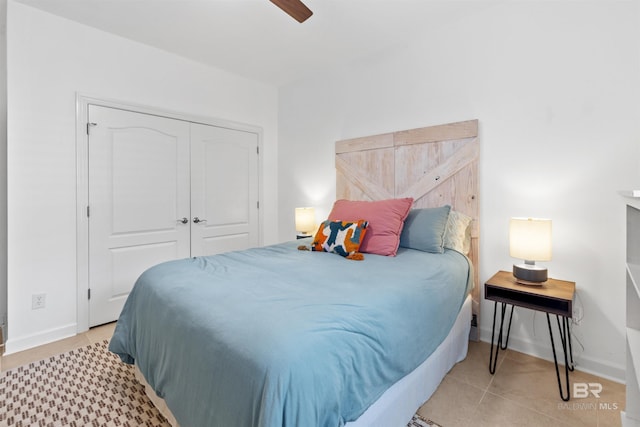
x=385 y=217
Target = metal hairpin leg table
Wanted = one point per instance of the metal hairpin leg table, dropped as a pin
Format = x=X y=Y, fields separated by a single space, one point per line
x=553 y=297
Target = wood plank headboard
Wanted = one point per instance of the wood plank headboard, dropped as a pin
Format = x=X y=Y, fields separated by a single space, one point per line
x=436 y=165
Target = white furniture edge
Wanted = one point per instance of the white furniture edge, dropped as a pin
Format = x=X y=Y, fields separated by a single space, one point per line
x=631 y=416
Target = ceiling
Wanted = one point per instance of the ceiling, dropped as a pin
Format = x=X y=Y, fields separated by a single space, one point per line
x=254 y=38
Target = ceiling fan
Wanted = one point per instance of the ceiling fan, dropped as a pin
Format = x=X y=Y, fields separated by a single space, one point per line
x=295 y=8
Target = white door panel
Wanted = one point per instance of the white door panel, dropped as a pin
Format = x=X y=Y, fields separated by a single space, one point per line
x=138 y=189
x=126 y=262
x=232 y=242
x=224 y=189
x=135 y=194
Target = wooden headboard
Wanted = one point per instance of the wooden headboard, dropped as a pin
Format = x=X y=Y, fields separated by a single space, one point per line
x=436 y=165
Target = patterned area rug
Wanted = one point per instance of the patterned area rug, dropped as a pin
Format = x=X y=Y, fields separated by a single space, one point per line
x=88 y=386
x=83 y=387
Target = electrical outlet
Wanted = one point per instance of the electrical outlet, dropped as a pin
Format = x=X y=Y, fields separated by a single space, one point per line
x=38 y=301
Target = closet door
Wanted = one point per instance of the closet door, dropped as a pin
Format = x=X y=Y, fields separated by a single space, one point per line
x=138 y=196
x=224 y=190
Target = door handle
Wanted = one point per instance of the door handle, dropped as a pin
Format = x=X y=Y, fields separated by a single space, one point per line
x=183 y=220
x=197 y=220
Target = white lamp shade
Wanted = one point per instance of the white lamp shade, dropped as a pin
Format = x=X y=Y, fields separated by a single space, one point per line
x=305 y=220
x=530 y=239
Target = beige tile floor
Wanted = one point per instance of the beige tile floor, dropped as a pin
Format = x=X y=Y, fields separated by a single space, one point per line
x=92 y=336
x=523 y=391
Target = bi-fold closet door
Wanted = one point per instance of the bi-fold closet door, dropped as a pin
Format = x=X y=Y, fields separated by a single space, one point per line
x=162 y=189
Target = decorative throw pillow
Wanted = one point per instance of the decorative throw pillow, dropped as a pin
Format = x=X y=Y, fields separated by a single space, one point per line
x=424 y=229
x=385 y=217
x=457 y=235
x=341 y=237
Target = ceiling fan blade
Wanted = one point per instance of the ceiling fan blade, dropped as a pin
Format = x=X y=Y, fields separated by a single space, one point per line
x=295 y=8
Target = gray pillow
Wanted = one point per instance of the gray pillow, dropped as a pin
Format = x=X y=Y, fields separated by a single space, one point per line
x=424 y=229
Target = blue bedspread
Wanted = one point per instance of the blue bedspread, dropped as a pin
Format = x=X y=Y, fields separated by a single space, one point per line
x=274 y=336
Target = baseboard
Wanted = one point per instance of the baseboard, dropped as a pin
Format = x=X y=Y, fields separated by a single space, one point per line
x=590 y=365
x=43 y=337
x=627 y=421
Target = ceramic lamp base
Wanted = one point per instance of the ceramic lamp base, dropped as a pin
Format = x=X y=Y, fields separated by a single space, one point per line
x=528 y=274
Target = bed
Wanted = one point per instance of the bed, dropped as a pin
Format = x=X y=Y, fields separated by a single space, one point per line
x=277 y=336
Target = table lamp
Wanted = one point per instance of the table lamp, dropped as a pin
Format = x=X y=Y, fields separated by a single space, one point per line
x=530 y=240
x=305 y=221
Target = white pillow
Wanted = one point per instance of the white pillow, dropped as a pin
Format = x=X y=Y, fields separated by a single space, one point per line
x=457 y=233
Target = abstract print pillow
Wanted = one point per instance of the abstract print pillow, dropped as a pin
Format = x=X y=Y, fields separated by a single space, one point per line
x=341 y=237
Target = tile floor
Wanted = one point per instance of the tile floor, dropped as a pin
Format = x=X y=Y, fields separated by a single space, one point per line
x=92 y=336
x=523 y=391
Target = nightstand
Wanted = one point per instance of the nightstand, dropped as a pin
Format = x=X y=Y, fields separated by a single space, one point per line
x=553 y=297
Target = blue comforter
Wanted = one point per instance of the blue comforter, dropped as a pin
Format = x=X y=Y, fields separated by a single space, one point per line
x=274 y=336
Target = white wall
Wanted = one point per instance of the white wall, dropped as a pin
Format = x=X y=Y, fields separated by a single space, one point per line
x=3 y=171
x=555 y=86
x=50 y=59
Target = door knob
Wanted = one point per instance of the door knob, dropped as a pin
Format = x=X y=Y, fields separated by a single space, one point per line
x=183 y=220
x=197 y=220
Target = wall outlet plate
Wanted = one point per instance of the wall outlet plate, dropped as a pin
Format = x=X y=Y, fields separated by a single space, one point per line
x=38 y=301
